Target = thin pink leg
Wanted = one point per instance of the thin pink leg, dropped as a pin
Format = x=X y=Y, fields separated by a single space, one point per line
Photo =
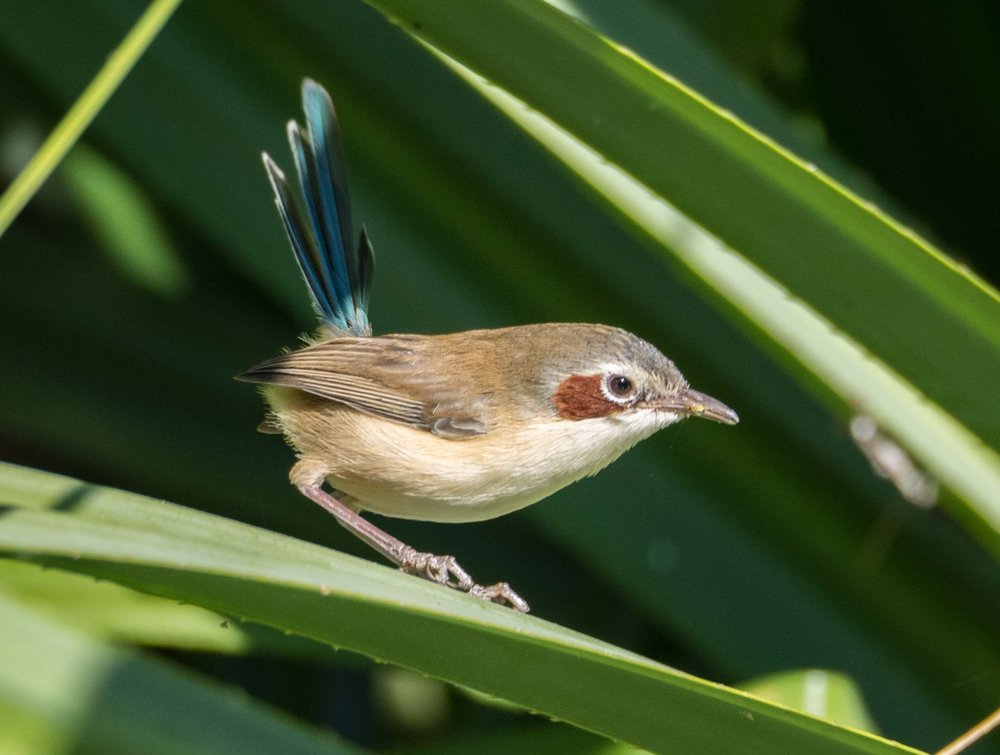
x=444 y=570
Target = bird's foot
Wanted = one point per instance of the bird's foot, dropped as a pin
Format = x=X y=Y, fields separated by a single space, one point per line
x=444 y=570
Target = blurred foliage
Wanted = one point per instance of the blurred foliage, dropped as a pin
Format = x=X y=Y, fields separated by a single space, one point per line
x=727 y=554
x=308 y=591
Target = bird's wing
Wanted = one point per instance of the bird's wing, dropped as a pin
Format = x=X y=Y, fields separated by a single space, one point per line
x=390 y=376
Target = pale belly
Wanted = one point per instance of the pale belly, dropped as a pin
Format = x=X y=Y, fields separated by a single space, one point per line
x=405 y=472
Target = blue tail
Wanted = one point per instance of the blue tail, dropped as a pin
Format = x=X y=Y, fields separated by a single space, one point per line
x=338 y=274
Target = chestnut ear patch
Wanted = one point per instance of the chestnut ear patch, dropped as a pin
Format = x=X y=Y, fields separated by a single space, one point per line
x=581 y=397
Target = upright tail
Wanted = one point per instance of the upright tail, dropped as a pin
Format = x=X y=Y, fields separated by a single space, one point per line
x=338 y=274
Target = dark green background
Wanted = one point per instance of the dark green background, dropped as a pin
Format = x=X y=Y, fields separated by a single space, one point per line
x=728 y=553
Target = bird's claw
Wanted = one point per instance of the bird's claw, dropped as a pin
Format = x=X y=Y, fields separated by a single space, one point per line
x=502 y=594
x=445 y=570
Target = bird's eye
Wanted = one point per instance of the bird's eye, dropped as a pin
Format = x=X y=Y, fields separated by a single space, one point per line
x=620 y=387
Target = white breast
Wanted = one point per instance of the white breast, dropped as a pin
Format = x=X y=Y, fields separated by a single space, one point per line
x=400 y=471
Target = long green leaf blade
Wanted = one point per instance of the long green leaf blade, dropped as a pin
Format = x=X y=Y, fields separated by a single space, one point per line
x=64 y=691
x=305 y=589
x=876 y=312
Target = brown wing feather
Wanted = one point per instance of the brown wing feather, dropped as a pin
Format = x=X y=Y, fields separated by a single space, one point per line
x=387 y=376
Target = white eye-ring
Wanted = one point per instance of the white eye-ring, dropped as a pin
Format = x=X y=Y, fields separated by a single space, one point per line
x=619 y=388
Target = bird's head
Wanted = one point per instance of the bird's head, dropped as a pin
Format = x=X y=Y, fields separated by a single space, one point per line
x=610 y=373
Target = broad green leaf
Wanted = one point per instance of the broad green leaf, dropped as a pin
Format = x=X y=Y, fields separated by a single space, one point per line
x=65 y=691
x=879 y=315
x=108 y=610
x=346 y=602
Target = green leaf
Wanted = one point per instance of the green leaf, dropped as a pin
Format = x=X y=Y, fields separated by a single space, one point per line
x=64 y=691
x=343 y=601
x=84 y=110
x=108 y=610
x=866 y=305
x=822 y=693
x=125 y=222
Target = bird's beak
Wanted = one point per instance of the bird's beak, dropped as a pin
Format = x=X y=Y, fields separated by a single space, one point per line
x=697 y=404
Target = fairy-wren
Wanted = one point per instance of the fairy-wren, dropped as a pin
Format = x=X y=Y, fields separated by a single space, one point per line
x=447 y=428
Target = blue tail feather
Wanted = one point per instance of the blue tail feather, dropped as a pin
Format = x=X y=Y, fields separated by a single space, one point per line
x=299 y=236
x=366 y=267
x=337 y=273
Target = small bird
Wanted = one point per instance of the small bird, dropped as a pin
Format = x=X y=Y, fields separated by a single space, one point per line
x=447 y=428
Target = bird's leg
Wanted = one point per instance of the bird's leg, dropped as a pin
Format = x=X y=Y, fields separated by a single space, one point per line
x=444 y=570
